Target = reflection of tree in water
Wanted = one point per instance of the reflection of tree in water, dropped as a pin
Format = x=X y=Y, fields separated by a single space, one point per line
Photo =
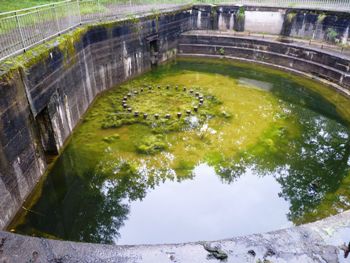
x=90 y=204
x=308 y=166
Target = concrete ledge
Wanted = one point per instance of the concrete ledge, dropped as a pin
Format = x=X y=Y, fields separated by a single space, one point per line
x=330 y=68
x=316 y=242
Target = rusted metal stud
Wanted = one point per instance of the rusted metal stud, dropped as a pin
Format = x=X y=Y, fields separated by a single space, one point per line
x=125 y=105
x=136 y=113
x=179 y=115
x=195 y=108
x=129 y=109
x=184 y=89
x=145 y=115
x=125 y=98
x=167 y=86
x=167 y=116
x=141 y=89
x=200 y=97
x=158 y=87
x=201 y=101
x=129 y=94
x=191 y=91
x=156 y=116
x=188 y=112
x=197 y=94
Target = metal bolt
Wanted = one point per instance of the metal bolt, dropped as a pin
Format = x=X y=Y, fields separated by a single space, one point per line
x=156 y=116
x=184 y=89
x=195 y=108
x=200 y=97
x=145 y=115
x=167 y=116
x=188 y=112
x=191 y=91
x=136 y=113
x=179 y=115
x=129 y=109
x=201 y=100
x=197 y=94
x=125 y=105
x=125 y=98
x=136 y=92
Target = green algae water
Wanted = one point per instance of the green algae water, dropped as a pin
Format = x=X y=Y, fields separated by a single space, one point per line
x=197 y=150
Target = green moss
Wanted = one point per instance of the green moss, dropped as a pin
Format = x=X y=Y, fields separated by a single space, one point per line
x=112 y=138
x=241 y=14
x=290 y=16
x=151 y=144
x=160 y=101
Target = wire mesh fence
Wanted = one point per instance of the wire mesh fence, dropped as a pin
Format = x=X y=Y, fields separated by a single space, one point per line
x=19 y=30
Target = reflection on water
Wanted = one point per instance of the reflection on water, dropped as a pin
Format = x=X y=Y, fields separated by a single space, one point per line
x=205 y=209
x=271 y=152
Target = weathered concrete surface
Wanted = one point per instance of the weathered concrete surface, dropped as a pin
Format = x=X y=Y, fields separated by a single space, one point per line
x=315 y=242
x=310 y=24
x=330 y=67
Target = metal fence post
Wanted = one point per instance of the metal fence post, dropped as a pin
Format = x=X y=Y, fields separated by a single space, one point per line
x=79 y=12
x=57 y=23
x=20 y=31
x=99 y=9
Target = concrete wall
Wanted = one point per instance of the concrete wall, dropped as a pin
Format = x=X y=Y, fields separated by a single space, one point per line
x=308 y=24
x=40 y=104
x=325 y=65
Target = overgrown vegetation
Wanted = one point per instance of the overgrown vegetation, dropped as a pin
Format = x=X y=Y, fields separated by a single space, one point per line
x=241 y=14
x=163 y=109
x=290 y=16
x=331 y=34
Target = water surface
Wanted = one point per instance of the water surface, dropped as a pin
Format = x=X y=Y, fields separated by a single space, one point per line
x=266 y=150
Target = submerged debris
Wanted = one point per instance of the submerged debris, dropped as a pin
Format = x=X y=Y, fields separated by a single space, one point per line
x=215 y=252
x=346 y=249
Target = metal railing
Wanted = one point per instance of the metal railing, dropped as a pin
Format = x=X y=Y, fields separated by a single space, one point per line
x=20 y=30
